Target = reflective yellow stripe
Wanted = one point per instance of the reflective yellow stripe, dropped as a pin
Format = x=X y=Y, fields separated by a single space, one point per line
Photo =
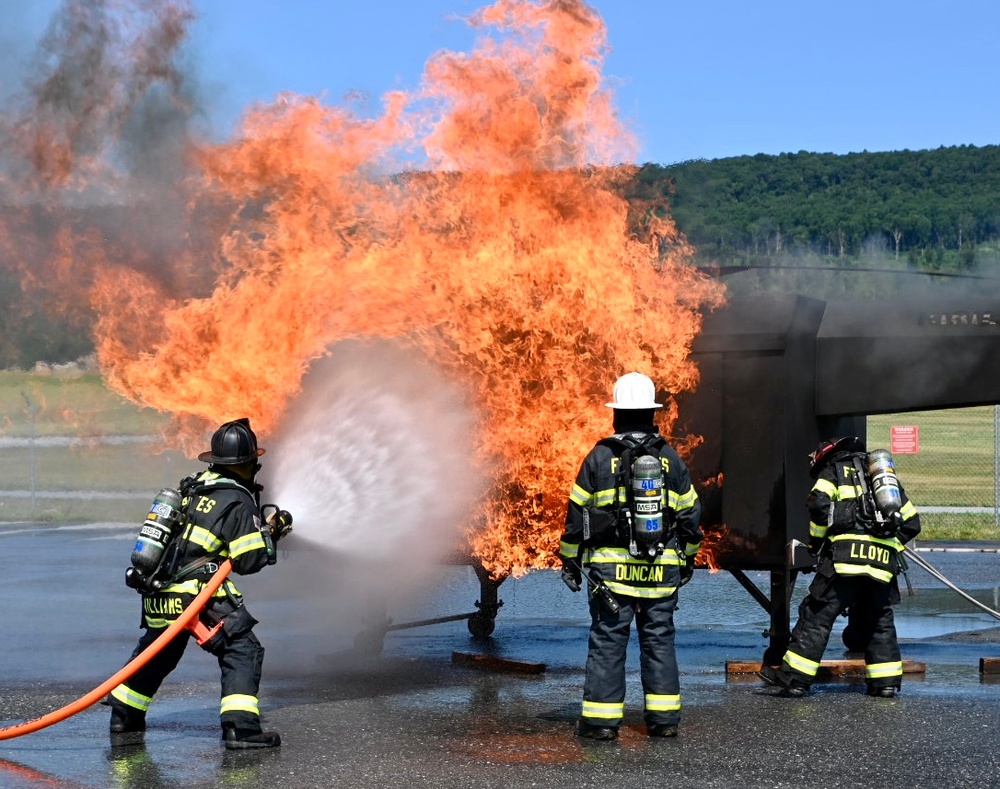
x=825 y=486
x=203 y=538
x=801 y=664
x=888 y=543
x=238 y=702
x=130 y=698
x=568 y=550
x=600 y=709
x=659 y=703
x=691 y=548
x=646 y=592
x=248 y=542
x=603 y=498
x=192 y=586
x=883 y=670
x=580 y=496
x=908 y=511
x=817 y=530
x=847 y=492
x=611 y=555
x=862 y=569
x=687 y=499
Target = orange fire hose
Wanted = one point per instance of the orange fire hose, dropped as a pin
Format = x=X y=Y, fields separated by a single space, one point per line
x=140 y=660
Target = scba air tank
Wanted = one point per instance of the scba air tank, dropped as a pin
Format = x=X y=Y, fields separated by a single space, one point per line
x=157 y=531
x=647 y=498
x=885 y=483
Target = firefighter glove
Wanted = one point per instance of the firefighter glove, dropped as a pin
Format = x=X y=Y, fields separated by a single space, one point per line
x=572 y=576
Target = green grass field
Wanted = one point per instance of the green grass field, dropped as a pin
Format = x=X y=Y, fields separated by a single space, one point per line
x=69 y=436
x=954 y=467
x=955 y=464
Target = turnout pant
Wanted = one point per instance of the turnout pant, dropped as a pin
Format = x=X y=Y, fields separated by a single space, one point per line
x=240 y=660
x=604 y=686
x=871 y=605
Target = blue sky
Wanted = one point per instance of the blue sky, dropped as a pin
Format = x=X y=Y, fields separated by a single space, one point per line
x=696 y=79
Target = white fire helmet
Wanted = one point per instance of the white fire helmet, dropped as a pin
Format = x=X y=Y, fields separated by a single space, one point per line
x=634 y=391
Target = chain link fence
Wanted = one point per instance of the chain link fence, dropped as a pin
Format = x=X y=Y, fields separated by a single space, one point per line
x=949 y=463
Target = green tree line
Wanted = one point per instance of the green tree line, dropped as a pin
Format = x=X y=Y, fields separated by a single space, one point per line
x=935 y=210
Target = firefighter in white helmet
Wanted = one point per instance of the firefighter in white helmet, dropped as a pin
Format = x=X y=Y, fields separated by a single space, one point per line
x=632 y=533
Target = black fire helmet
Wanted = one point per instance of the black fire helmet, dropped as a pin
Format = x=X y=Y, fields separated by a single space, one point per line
x=232 y=444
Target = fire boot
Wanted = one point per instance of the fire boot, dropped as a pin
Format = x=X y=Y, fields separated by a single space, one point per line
x=235 y=739
x=592 y=732
x=128 y=726
x=780 y=679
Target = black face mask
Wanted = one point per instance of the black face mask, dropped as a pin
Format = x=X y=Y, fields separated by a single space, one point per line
x=634 y=421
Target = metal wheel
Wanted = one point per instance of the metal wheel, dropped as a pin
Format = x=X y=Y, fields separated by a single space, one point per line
x=481 y=626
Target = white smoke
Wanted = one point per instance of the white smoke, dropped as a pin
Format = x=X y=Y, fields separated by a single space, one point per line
x=373 y=461
x=373 y=458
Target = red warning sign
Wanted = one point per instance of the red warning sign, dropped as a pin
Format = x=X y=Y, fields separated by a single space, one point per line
x=904 y=439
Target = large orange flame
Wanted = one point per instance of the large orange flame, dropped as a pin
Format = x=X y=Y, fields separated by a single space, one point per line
x=506 y=255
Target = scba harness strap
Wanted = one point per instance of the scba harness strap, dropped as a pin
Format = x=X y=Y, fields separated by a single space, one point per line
x=632 y=522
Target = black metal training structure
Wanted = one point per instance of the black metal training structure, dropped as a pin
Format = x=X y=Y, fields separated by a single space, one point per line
x=781 y=373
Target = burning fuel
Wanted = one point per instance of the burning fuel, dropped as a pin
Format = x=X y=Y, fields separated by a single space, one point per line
x=477 y=222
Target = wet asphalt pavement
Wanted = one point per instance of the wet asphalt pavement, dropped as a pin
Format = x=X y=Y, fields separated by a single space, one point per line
x=411 y=717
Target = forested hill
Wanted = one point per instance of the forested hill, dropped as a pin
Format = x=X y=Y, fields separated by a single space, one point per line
x=936 y=210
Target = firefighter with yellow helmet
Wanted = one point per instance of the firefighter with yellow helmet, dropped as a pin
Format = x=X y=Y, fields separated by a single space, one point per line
x=859 y=520
x=632 y=533
x=219 y=517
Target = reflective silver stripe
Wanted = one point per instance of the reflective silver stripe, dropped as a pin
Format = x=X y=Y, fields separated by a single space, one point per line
x=203 y=538
x=825 y=486
x=247 y=543
x=862 y=569
x=847 y=492
x=130 y=698
x=600 y=709
x=663 y=703
x=580 y=496
x=801 y=664
x=602 y=498
x=645 y=592
x=238 y=702
x=883 y=670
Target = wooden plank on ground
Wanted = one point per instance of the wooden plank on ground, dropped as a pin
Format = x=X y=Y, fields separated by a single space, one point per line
x=493 y=663
x=827 y=668
x=989 y=665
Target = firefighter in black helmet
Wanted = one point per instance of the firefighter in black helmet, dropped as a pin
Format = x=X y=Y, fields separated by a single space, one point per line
x=221 y=519
x=857 y=542
x=633 y=555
